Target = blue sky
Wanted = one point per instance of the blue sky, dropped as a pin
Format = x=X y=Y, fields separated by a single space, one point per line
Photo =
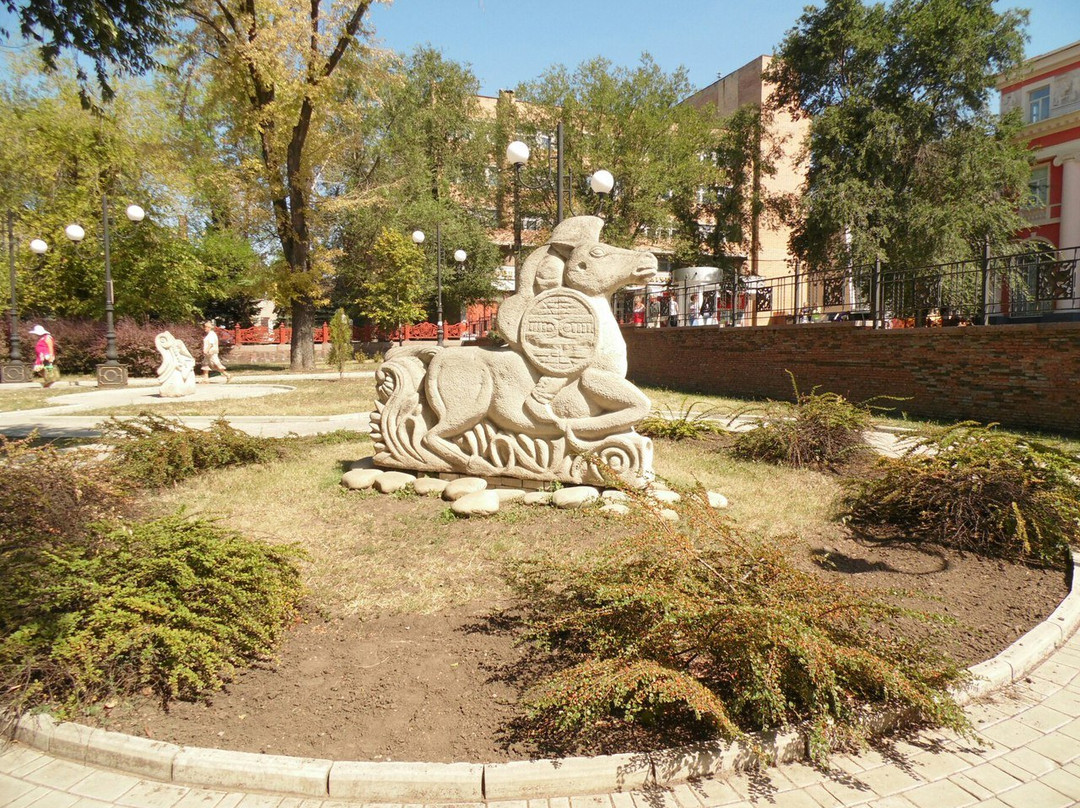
x=508 y=41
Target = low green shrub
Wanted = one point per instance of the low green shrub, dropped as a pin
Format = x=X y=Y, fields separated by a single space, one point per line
x=974 y=488
x=680 y=424
x=698 y=626
x=171 y=605
x=154 y=451
x=819 y=430
x=49 y=496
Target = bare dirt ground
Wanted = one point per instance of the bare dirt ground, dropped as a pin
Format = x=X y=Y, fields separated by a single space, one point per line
x=443 y=687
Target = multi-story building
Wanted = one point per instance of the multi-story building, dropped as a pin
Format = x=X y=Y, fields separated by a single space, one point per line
x=1047 y=91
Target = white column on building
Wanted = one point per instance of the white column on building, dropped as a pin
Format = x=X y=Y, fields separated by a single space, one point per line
x=1070 y=210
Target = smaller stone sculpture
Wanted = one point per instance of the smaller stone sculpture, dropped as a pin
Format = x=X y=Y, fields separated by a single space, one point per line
x=177 y=370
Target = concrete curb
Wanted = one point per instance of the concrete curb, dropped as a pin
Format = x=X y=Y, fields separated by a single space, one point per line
x=515 y=780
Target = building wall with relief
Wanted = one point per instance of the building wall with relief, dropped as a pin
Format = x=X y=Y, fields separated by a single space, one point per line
x=1047 y=91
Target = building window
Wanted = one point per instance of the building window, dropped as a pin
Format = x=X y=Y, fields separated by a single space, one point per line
x=1039 y=104
x=1039 y=187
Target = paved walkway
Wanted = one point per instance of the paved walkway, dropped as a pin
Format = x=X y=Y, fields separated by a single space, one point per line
x=1033 y=762
x=61 y=419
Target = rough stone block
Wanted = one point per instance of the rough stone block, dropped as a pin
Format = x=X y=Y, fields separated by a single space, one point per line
x=244 y=770
x=525 y=779
x=407 y=782
x=35 y=731
x=69 y=740
x=129 y=753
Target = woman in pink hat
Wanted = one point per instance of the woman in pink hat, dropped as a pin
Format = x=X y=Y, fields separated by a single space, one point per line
x=44 y=353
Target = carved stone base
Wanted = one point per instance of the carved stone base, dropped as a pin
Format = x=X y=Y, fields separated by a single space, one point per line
x=112 y=376
x=16 y=373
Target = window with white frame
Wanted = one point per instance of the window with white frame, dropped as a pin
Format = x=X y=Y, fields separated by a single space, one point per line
x=1039 y=187
x=1039 y=104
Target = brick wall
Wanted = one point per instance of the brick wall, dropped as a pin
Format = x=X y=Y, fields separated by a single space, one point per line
x=1024 y=376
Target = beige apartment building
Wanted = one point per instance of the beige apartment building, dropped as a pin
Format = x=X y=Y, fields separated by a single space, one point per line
x=767 y=253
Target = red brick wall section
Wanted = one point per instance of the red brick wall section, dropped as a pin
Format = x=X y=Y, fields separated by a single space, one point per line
x=1021 y=376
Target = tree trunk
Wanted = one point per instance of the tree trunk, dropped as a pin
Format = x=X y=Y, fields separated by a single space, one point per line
x=302 y=348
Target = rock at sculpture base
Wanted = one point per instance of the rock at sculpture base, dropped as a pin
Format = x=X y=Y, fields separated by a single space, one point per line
x=177 y=370
x=554 y=404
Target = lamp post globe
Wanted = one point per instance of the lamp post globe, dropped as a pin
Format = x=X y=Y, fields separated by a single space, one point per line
x=135 y=213
x=418 y=237
x=75 y=233
x=460 y=256
x=38 y=247
x=517 y=153
x=602 y=182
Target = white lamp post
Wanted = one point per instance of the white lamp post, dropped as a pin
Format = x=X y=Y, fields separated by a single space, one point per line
x=14 y=370
x=601 y=183
x=517 y=154
x=112 y=373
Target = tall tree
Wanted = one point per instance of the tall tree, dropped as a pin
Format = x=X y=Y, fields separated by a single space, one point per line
x=419 y=162
x=628 y=121
x=284 y=69
x=907 y=162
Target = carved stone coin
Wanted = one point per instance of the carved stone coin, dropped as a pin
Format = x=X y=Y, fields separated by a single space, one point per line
x=559 y=332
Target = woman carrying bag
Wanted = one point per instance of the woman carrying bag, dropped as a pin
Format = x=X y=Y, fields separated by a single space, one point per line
x=45 y=356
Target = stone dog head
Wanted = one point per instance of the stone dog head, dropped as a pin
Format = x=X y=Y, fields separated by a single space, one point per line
x=574 y=258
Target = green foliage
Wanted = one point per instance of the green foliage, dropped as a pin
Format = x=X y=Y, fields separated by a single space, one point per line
x=627 y=120
x=698 y=626
x=681 y=424
x=117 y=36
x=153 y=451
x=977 y=489
x=394 y=287
x=172 y=605
x=820 y=430
x=906 y=157
x=340 y=341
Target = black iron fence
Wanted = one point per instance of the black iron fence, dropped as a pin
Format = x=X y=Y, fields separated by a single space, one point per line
x=1021 y=287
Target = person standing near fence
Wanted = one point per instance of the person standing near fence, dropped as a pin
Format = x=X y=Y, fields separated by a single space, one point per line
x=673 y=311
x=210 y=348
x=44 y=355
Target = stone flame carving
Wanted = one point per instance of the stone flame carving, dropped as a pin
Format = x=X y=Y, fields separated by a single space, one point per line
x=550 y=402
x=177 y=369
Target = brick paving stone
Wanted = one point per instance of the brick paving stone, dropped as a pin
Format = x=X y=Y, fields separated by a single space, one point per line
x=104 y=785
x=885 y=780
x=544 y=804
x=11 y=789
x=1043 y=718
x=203 y=798
x=90 y=802
x=620 y=799
x=685 y=796
x=823 y=797
x=895 y=801
x=1072 y=729
x=153 y=795
x=1065 y=701
x=230 y=800
x=800 y=775
x=594 y=801
x=509 y=804
x=847 y=791
x=1064 y=782
x=1056 y=747
x=1030 y=761
x=1035 y=795
x=942 y=794
x=56 y=799
x=1011 y=734
x=931 y=766
x=992 y=777
x=260 y=801
x=715 y=792
x=973 y=788
x=59 y=774
x=32 y=796
x=559 y=802
x=16 y=759
x=792 y=799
